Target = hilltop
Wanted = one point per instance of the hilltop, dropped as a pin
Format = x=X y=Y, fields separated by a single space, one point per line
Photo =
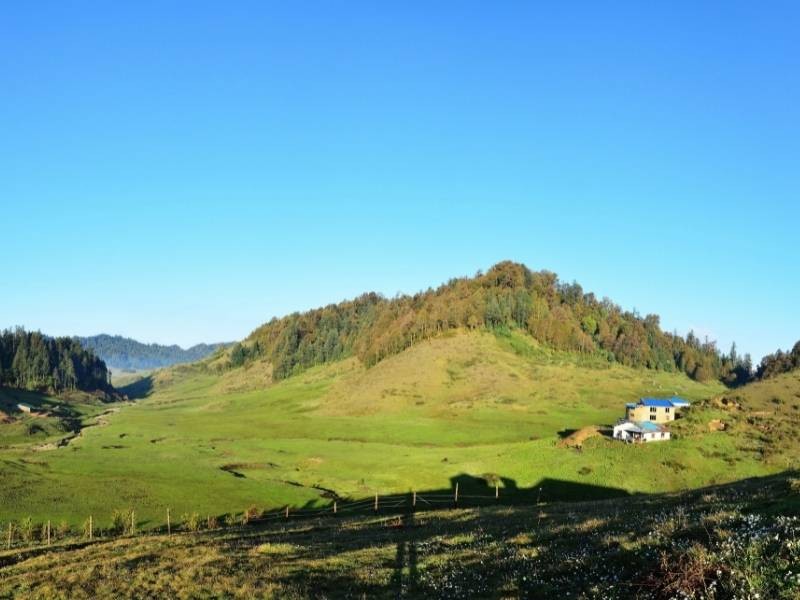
x=559 y=315
x=128 y=354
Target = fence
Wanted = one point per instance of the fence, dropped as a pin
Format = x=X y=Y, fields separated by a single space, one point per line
x=23 y=535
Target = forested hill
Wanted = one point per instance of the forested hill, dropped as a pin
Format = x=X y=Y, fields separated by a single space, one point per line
x=32 y=361
x=125 y=353
x=779 y=362
x=559 y=315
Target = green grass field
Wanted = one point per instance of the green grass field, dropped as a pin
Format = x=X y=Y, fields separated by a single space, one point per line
x=476 y=404
x=732 y=541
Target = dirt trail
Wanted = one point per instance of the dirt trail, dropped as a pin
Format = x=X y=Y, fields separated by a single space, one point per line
x=99 y=421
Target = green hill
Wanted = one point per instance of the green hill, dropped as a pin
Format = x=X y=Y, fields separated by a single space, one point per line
x=559 y=315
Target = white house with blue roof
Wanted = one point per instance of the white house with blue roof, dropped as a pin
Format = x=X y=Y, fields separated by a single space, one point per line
x=641 y=431
x=644 y=420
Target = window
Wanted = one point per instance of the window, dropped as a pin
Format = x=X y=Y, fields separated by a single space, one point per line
x=652 y=417
x=653 y=409
x=666 y=409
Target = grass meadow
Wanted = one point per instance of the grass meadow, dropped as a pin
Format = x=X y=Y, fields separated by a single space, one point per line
x=480 y=405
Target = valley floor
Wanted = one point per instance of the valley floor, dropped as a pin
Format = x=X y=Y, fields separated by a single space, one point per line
x=472 y=407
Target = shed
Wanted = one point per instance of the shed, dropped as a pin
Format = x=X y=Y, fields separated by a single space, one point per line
x=26 y=408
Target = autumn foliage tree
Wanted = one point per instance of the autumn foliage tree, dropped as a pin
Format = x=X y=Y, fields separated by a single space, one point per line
x=560 y=315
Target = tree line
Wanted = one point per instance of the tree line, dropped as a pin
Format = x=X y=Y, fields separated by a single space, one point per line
x=126 y=353
x=779 y=362
x=560 y=315
x=32 y=361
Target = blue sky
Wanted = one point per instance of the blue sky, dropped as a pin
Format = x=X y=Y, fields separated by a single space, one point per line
x=181 y=172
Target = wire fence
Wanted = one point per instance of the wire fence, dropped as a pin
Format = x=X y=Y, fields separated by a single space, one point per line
x=26 y=534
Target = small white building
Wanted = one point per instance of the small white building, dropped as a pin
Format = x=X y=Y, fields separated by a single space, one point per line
x=640 y=431
x=26 y=408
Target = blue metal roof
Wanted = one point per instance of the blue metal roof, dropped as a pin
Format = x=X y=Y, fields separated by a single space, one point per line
x=630 y=405
x=661 y=402
x=678 y=401
x=649 y=426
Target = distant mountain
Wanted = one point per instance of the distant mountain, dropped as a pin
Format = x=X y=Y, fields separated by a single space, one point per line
x=126 y=353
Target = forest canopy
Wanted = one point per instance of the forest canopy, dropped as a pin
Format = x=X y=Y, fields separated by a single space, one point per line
x=560 y=315
x=779 y=362
x=32 y=361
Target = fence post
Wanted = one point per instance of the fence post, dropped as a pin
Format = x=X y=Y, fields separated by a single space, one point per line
x=496 y=491
x=48 y=532
x=455 y=496
x=91 y=528
x=133 y=522
x=334 y=507
x=376 y=501
x=287 y=511
x=10 y=527
x=169 y=525
x=414 y=500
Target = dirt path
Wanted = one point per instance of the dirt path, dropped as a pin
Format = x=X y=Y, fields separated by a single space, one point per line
x=99 y=421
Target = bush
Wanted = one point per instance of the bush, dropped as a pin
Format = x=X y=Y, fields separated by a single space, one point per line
x=252 y=513
x=117 y=523
x=26 y=529
x=63 y=529
x=212 y=522
x=191 y=521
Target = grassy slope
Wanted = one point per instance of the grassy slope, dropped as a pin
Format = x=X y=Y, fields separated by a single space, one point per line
x=465 y=404
x=730 y=540
x=20 y=430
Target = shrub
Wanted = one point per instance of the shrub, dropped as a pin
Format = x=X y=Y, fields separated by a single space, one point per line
x=63 y=529
x=252 y=512
x=26 y=529
x=212 y=522
x=191 y=521
x=117 y=523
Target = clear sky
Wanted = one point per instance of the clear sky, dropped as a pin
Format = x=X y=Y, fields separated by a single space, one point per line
x=182 y=172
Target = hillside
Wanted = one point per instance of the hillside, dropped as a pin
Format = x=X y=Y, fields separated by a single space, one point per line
x=54 y=418
x=556 y=314
x=127 y=354
x=466 y=402
x=732 y=541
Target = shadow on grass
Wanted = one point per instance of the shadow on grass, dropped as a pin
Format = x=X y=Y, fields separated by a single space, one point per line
x=141 y=388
